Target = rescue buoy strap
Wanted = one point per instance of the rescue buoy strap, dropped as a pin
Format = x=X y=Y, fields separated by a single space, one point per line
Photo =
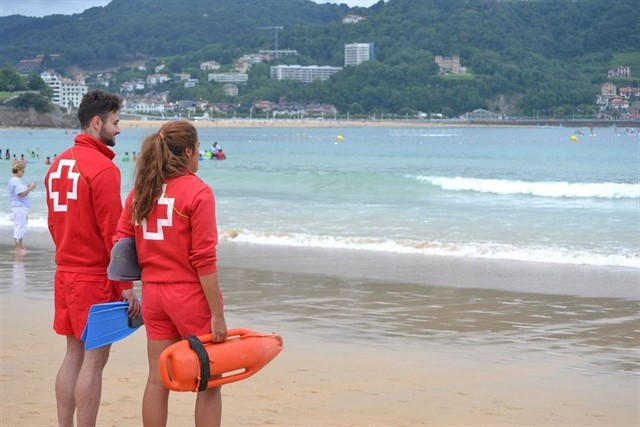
x=203 y=358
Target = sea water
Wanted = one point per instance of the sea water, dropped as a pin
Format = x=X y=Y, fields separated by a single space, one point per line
x=514 y=193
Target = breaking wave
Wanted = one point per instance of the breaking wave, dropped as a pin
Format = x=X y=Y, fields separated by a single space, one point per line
x=605 y=190
x=488 y=250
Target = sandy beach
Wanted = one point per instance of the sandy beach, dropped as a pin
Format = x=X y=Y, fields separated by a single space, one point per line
x=126 y=123
x=361 y=351
x=307 y=123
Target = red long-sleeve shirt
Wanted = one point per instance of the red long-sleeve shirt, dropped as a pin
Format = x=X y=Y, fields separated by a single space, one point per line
x=177 y=242
x=84 y=205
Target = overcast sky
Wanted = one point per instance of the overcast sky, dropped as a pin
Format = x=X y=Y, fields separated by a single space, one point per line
x=68 y=7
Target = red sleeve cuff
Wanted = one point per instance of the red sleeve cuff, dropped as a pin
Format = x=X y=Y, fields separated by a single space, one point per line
x=207 y=269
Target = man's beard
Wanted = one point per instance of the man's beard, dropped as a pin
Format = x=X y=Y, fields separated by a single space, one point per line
x=106 y=139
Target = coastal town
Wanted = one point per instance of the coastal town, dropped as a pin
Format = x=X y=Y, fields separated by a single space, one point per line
x=145 y=96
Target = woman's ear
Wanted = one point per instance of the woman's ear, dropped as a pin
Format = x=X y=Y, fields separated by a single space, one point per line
x=188 y=151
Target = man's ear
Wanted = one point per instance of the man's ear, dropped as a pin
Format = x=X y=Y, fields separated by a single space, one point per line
x=96 y=123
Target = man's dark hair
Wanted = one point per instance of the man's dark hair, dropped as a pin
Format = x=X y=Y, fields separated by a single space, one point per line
x=97 y=103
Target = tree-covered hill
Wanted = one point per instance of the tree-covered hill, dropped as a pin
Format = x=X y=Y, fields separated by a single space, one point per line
x=522 y=55
x=125 y=30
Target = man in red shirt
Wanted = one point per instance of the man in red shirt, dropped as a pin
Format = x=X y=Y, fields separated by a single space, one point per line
x=84 y=204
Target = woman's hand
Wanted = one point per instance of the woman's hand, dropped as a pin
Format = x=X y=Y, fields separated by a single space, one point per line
x=129 y=295
x=218 y=328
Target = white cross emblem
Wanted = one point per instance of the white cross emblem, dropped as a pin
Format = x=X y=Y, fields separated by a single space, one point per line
x=71 y=195
x=160 y=222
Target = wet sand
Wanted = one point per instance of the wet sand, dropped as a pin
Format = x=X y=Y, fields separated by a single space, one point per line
x=370 y=339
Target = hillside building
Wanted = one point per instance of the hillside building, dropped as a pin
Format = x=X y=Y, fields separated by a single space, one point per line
x=269 y=55
x=66 y=93
x=608 y=89
x=146 y=104
x=630 y=92
x=357 y=53
x=481 y=115
x=619 y=71
x=449 y=65
x=133 y=85
x=242 y=66
x=353 y=19
x=612 y=99
x=156 y=79
x=305 y=74
x=33 y=65
x=189 y=83
x=228 y=77
x=209 y=65
x=29 y=65
x=103 y=79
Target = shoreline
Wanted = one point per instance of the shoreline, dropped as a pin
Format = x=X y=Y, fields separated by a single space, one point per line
x=369 y=339
x=454 y=272
x=129 y=123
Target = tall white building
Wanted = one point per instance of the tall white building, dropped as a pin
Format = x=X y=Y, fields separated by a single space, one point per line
x=357 y=53
x=228 y=77
x=66 y=93
x=305 y=74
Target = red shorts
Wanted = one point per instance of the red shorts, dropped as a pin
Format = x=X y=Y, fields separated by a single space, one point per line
x=175 y=310
x=74 y=294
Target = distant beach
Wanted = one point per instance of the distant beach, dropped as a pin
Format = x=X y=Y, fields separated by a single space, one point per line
x=339 y=123
x=308 y=123
x=20 y=120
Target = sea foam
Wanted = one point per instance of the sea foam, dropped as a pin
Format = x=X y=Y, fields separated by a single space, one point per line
x=605 y=190
x=487 y=250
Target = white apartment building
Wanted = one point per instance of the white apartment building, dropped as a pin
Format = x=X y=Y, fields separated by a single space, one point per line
x=53 y=81
x=305 y=74
x=191 y=83
x=144 y=105
x=228 y=77
x=275 y=54
x=357 y=53
x=209 y=65
x=133 y=85
x=353 y=19
x=156 y=79
x=66 y=93
x=620 y=71
x=449 y=65
x=252 y=58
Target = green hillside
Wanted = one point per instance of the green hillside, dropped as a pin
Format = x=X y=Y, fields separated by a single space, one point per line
x=538 y=55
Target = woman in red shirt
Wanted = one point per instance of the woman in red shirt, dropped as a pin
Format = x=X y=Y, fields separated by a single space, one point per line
x=171 y=214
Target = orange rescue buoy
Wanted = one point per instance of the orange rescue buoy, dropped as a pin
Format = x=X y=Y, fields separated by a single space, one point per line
x=196 y=363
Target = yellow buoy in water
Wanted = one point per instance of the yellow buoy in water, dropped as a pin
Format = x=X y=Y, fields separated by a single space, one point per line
x=339 y=138
x=573 y=138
